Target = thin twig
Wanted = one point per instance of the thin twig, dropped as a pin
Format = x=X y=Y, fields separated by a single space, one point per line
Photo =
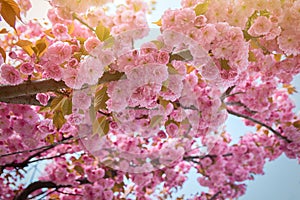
x=48 y=158
x=238 y=103
x=260 y=123
x=43 y=147
x=82 y=22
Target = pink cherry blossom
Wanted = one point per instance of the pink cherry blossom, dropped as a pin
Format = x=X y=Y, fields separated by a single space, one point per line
x=60 y=31
x=81 y=100
x=261 y=26
x=59 y=52
x=27 y=68
x=10 y=74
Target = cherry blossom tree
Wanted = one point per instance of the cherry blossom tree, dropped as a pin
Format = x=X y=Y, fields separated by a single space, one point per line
x=114 y=120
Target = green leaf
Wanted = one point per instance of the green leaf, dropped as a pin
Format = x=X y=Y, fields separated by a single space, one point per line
x=155 y=120
x=224 y=64
x=201 y=8
x=10 y=11
x=101 y=126
x=58 y=119
x=100 y=99
x=102 y=32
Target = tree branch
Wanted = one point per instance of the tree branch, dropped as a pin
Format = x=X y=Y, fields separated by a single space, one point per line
x=24 y=93
x=191 y=158
x=238 y=103
x=27 y=100
x=64 y=141
x=260 y=123
x=27 y=161
x=44 y=184
x=30 y=88
x=36 y=186
x=214 y=197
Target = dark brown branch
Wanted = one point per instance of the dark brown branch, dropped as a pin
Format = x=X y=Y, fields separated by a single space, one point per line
x=214 y=197
x=30 y=88
x=27 y=161
x=44 y=184
x=48 y=158
x=27 y=100
x=25 y=93
x=260 y=123
x=36 y=186
x=192 y=158
x=24 y=163
x=238 y=103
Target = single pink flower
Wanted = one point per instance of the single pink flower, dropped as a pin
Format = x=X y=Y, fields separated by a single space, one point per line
x=10 y=74
x=27 y=68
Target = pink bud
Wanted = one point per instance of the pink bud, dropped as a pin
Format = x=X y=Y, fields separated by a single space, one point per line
x=43 y=98
x=12 y=55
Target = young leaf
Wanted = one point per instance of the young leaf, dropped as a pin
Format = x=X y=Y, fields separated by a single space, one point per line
x=277 y=57
x=58 y=119
x=102 y=32
x=297 y=124
x=2 y=52
x=100 y=99
x=171 y=69
x=163 y=102
x=155 y=120
x=26 y=46
x=50 y=138
x=224 y=64
x=66 y=106
x=251 y=57
x=101 y=126
x=3 y=31
x=79 y=169
x=201 y=8
x=158 y=44
x=10 y=11
x=41 y=46
x=49 y=33
x=158 y=23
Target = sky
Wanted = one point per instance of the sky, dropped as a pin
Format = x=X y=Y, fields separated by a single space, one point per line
x=282 y=176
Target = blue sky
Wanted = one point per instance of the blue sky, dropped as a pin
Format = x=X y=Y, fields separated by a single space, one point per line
x=282 y=176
